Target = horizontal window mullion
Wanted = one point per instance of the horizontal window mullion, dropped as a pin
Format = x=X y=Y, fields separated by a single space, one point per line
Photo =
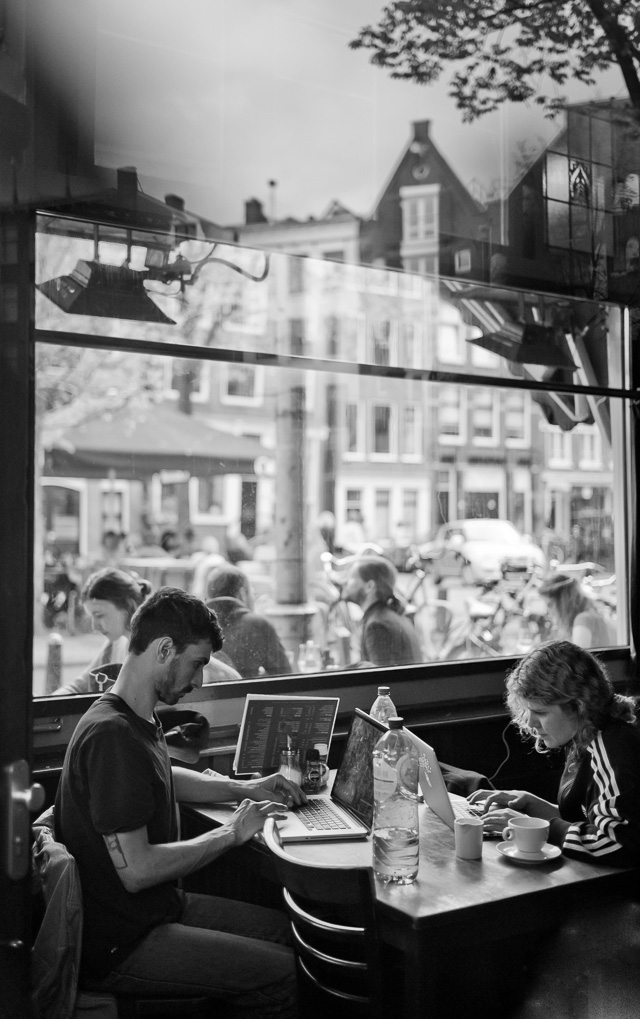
x=302 y=363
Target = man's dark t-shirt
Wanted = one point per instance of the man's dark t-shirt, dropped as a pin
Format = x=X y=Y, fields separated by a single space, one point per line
x=116 y=778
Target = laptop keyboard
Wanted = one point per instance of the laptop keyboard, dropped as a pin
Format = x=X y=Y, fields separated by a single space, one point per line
x=318 y=815
x=461 y=809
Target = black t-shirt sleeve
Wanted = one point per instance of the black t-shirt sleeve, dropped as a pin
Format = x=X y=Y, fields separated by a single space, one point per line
x=119 y=780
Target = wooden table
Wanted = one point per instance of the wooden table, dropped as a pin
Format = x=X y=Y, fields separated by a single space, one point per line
x=462 y=933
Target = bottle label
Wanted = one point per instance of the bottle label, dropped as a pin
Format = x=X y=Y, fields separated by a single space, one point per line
x=385 y=778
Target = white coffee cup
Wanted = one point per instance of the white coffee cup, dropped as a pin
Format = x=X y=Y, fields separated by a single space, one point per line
x=529 y=834
x=468 y=837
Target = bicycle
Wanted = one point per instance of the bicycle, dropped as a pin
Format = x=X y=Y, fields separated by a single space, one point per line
x=432 y=617
x=508 y=618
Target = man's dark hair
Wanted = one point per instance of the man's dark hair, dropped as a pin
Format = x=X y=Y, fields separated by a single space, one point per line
x=173 y=613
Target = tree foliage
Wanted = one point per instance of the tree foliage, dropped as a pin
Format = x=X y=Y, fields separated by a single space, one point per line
x=507 y=50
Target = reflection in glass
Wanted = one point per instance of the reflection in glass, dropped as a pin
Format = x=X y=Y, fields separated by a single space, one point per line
x=167 y=466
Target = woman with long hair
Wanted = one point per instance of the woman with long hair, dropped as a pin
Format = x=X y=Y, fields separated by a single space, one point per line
x=110 y=597
x=561 y=698
x=574 y=614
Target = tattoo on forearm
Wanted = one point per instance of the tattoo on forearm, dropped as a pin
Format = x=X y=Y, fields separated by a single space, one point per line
x=115 y=851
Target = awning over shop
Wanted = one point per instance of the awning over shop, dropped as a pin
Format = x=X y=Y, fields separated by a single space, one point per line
x=136 y=442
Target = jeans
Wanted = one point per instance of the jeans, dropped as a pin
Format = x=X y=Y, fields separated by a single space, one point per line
x=228 y=950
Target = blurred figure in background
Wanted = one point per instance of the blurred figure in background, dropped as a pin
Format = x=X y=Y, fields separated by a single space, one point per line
x=205 y=561
x=574 y=615
x=171 y=543
x=250 y=640
x=352 y=534
x=388 y=636
x=110 y=597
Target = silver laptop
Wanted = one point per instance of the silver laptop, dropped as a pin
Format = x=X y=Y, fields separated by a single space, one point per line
x=347 y=811
x=446 y=805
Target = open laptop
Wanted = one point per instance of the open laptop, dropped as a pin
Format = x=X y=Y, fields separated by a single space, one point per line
x=349 y=805
x=446 y=805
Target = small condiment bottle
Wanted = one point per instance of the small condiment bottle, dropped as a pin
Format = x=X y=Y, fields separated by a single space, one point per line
x=316 y=772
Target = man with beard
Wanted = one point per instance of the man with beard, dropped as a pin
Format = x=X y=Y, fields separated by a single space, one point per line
x=388 y=636
x=116 y=812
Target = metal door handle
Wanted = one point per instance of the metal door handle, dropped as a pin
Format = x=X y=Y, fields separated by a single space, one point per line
x=18 y=798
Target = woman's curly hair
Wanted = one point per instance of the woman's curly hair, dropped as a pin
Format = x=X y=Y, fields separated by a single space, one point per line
x=560 y=672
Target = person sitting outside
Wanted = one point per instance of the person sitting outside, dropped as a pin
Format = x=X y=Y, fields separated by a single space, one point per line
x=561 y=698
x=116 y=811
x=250 y=640
x=388 y=636
x=110 y=597
x=574 y=615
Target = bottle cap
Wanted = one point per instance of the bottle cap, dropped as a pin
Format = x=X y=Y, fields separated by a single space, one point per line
x=382 y=690
x=313 y=754
x=395 y=722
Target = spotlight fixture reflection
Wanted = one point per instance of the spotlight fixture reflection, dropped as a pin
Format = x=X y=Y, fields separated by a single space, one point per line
x=542 y=344
x=108 y=291
x=531 y=343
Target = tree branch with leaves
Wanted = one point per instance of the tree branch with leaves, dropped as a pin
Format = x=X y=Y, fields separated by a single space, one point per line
x=515 y=51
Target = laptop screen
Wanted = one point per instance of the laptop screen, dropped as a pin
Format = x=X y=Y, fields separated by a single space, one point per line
x=353 y=785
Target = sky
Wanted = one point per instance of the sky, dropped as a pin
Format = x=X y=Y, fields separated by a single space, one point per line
x=212 y=99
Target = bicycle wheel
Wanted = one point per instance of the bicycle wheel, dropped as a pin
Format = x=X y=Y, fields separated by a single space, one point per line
x=342 y=637
x=433 y=621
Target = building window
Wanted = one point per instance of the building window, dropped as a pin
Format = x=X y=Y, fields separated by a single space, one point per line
x=483 y=417
x=590 y=450
x=559 y=448
x=445 y=496
x=420 y=216
x=381 y=336
x=450 y=425
x=424 y=265
x=354 y=432
x=410 y=499
x=210 y=499
x=579 y=189
x=410 y=431
x=410 y=344
x=462 y=260
x=241 y=384
x=353 y=501
x=382 y=426
x=515 y=417
x=383 y=512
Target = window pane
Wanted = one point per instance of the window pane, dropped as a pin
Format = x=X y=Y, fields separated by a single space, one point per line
x=391 y=456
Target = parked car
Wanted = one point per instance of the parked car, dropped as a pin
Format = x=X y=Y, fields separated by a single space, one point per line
x=480 y=551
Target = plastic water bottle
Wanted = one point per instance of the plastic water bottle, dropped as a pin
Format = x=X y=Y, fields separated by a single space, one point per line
x=395 y=816
x=383 y=707
x=310 y=657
